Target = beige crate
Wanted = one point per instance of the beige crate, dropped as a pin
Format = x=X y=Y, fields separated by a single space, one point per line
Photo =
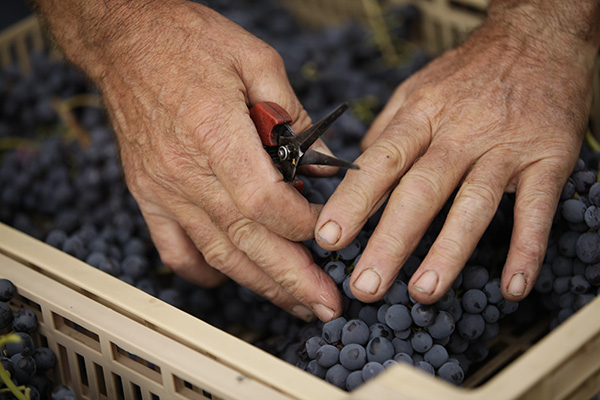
x=96 y=323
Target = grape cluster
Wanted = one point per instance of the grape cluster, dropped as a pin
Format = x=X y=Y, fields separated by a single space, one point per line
x=570 y=275
x=441 y=339
x=26 y=363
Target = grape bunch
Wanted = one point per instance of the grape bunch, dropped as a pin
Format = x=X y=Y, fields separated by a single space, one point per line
x=27 y=364
x=570 y=275
x=441 y=339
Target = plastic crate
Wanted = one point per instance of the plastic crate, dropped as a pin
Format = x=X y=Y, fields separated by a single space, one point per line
x=114 y=341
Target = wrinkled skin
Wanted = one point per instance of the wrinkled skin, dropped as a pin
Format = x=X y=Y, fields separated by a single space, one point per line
x=502 y=113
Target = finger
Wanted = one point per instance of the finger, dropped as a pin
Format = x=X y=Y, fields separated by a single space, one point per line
x=384 y=118
x=255 y=185
x=538 y=192
x=362 y=191
x=472 y=211
x=221 y=254
x=179 y=253
x=287 y=263
x=414 y=203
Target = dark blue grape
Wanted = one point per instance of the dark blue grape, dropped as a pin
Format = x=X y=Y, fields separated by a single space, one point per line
x=491 y=314
x=475 y=277
x=545 y=280
x=567 y=242
x=573 y=210
x=332 y=330
x=56 y=238
x=477 y=351
x=353 y=357
x=355 y=331
x=380 y=330
x=470 y=326
x=403 y=358
x=491 y=331
x=44 y=358
x=455 y=309
x=312 y=345
x=562 y=266
x=594 y=194
x=402 y=346
x=7 y=290
x=6 y=315
x=425 y=366
x=584 y=180
x=24 y=320
x=457 y=344
x=337 y=376
x=592 y=217
x=579 y=285
x=397 y=293
x=588 y=247
x=336 y=270
x=25 y=346
x=446 y=301
x=351 y=251
x=474 y=301
x=451 y=372
x=398 y=317
x=315 y=369
x=379 y=349
x=327 y=356
x=507 y=306
x=347 y=290
x=592 y=274
x=389 y=363
x=421 y=342
x=24 y=367
x=443 y=326
x=135 y=266
x=492 y=291
x=562 y=284
x=371 y=370
x=381 y=311
x=62 y=392
x=436 y=356
x=354 y=380
x=423 y=315
x=368 y=314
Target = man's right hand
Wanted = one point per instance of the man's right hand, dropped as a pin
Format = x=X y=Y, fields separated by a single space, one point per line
x=177 y=79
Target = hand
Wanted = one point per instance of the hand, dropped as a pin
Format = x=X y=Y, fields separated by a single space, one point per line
x=505 y=112
x=178 y=79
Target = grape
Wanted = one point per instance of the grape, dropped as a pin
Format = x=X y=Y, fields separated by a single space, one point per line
x=44 y=358
x=397 y=293
x=398 y=317
x=562 y=266
x=470 y=326
x=592 y=274
x=346 y=288
x=491 y=331
x=354 y=380
x=507 y=306
x=25 y=346
x=593 y=194
x=545 y=280
x=336 y=270
x=314 y=368
x=353 y=356
x=566 y=243
x=403 y=358
x=451 y=372
x=592 y=217
x=351 y=251
x=474 y=301
x=402 y=346
x=475 y=277
x=436 y=356
x=579 y=284
x=7 y=290
x=446 y=301
x=312 y=345
x=62 y=392
x=6 y=315
x=425 y=366
x=573 y=210
x=368 y=314
x=332 y=330
x=355 y=331
x=371 y=369
x=25 y=320
x=380 y=330
x=584 y=180
x=457 y=344
x=423 y=315
x=491 y=313
x=337 y=375
x=442 y=327
x=388 y=363
x=379 y=349
x=588 y=247
x=421 y=342
x=327 y=355
x=24 y=367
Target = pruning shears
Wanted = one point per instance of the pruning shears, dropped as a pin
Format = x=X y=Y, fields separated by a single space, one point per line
x=289 y=150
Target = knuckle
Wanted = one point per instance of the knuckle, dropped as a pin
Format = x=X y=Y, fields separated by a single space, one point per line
x=476 y=195
x=424 y=187
x=391 y=244
x=449 y=249
x=242 y=234
x=218 y=255
x=254 y=204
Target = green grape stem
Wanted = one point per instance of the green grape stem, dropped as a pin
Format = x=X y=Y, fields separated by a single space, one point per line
x=5 y=375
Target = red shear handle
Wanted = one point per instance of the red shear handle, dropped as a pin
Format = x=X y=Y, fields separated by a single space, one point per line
x=266 y=116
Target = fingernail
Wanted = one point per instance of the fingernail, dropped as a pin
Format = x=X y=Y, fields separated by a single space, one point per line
x=427 y=282
x=517 y=284
x=368 y=281
x=330 y=232
x=324 y=313
x=303 y=313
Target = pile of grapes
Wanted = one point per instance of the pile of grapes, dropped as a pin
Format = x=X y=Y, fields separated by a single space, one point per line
x=24 y=366
x=61 y=182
